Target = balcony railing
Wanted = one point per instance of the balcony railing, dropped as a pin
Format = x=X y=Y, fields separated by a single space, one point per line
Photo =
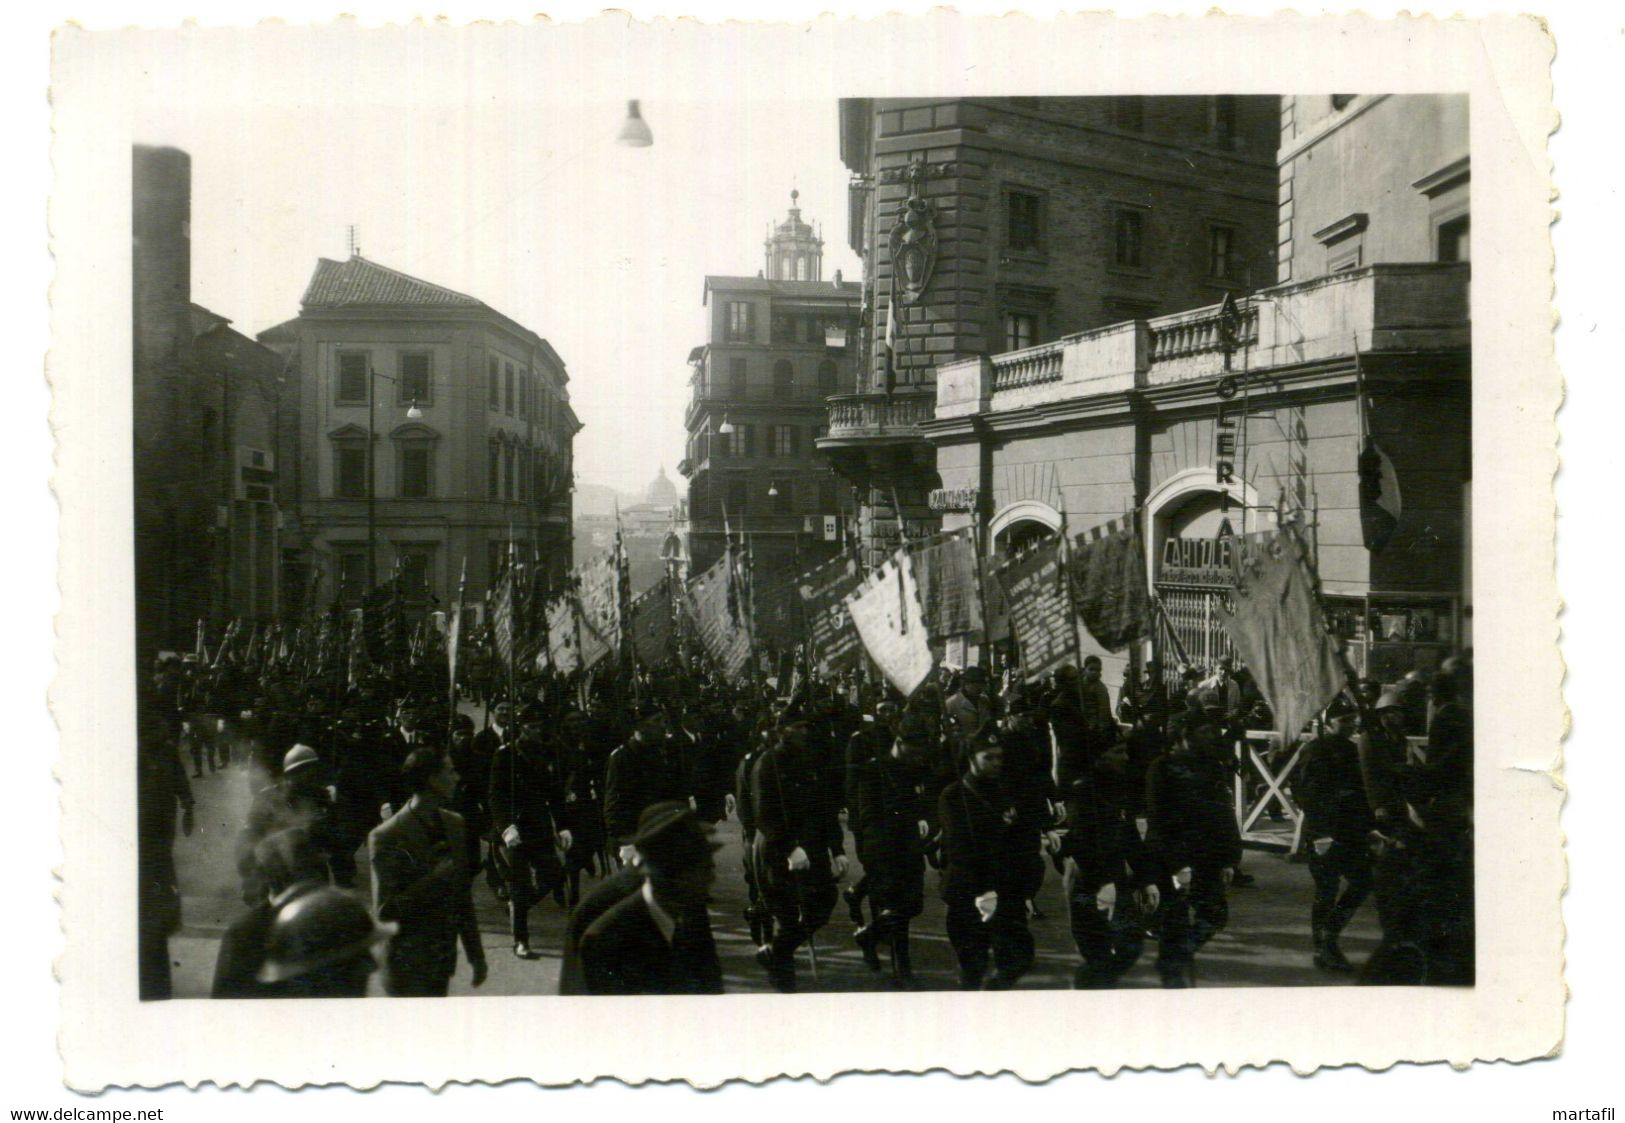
x=1031 y=366
x=1198 y=332
x=880 y=415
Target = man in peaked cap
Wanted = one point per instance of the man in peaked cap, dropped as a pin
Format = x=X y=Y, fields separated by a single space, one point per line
x=1337 y=821
x=799 y=848
x=643 y=771
x=646 y=930
x=987 y=839
x=525 y=796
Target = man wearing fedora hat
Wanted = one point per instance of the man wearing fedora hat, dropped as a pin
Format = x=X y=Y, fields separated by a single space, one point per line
x=646 y=930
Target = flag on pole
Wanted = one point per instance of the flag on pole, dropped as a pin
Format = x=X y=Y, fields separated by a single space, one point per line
x=721 y=636
x=830 y=631
x=502 y=618
x=945 y=568
x=1379 y=497
x=891 y=336
x=886 y=613
x=1040 y=618
x=562 y=649
x=454 y=631
x=653 y=636
x=600 y=592
x=1109 y=588
x=1278 y=628
x=358 y=662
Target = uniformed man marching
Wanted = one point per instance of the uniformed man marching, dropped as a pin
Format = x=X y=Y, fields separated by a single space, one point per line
x=987 y=841
x=1337 y=823
x=799 y=852
x=892 y=812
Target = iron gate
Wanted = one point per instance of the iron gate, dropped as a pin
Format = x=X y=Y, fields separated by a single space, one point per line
x=1189 y=624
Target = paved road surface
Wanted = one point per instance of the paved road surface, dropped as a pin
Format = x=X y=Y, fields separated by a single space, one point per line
x=1266 y=943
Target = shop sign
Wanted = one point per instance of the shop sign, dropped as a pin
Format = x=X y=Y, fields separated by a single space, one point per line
x=954 y=498
x=1198 y=561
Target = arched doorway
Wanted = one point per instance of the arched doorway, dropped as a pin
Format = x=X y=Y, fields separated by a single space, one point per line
x=1020 y=526
x=1191 y=529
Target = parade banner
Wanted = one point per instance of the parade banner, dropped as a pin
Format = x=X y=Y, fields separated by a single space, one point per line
x=561 y=651
x=886 y=613
x=776 y=612
x=502 y=618
x=724 y=641
x=1040 y=615
x=834 y=639
x=357 y=667
x=600 y=591
x=945 y=568
x=454 y=633
x=1280 y=631
x=653 y=634
x=1108 y=584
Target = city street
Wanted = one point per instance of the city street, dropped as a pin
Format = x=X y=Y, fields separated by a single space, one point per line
x=1266 y=943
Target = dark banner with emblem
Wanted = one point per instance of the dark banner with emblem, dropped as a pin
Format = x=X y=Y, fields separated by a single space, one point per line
x=654 y=638
x=835 y=642
x=1278 y=627
x=776 y=612
x=945 y=568
x=1040 y=617
x=720 y=631
x=1108 y=584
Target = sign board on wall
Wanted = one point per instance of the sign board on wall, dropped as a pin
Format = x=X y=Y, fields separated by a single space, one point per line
x=954 y=498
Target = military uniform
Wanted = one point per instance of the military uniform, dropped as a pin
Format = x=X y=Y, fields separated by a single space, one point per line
x=793 y=810
x=986 y=842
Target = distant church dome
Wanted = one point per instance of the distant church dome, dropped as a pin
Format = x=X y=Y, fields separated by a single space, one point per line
x=662 y=492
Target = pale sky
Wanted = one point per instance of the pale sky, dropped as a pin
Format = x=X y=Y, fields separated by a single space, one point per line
x=489 y=166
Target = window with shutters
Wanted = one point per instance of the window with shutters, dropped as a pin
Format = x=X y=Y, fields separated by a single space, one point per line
x=1221 y=258
x=1024 y=230
x=350 y=387
x=1128 y=238
x=350 y=470
x=738 y=379
x=416 y=468
x=784 y=379
x=413 y=382
x=738 y=326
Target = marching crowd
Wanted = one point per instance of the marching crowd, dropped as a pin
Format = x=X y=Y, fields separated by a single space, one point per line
x=375 y=819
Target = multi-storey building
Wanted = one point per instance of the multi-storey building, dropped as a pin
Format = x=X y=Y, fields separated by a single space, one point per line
x=992 y=225
x=467 y=417
x=1214 y=423
x=207 y=419
x=778 y=345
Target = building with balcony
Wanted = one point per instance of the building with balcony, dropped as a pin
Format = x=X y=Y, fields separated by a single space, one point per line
x=991 y=225
x=778 y=346
x=467 y=417
x=1219 y=421
x=208 y=419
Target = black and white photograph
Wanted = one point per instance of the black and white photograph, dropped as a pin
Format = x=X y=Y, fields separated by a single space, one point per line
x=641 y=531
